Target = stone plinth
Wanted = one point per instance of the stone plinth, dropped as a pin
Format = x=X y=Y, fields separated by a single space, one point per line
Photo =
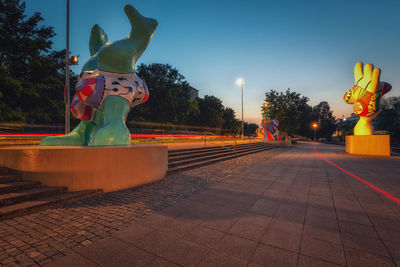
x=371 y=145
x=81 y=168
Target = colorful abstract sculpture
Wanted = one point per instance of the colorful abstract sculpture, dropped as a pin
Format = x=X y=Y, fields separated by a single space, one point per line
x=269 y=129
x=108 y=87
x=365 y=96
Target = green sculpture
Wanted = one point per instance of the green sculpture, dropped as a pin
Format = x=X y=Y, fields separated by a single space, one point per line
x=108 y=87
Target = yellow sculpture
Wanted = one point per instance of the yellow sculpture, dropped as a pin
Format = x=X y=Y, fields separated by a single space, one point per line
x=365 y=96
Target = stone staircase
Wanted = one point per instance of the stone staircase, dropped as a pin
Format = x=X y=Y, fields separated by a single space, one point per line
x=19 y=196
x=184 y=159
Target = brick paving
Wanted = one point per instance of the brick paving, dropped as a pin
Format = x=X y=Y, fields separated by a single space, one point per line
x=285 y=207
x=42 y=237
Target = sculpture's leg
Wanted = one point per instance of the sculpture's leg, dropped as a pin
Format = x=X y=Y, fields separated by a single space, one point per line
x=260 y=132
x=78 y=137
x=364 y=126
x=265 y=134
x=110 y=119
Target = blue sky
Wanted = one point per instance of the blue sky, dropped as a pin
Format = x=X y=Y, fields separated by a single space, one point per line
x=308 y=46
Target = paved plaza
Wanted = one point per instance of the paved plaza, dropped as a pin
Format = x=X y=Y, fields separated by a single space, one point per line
x=282 y=207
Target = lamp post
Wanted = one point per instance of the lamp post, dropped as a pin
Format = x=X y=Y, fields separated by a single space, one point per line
x=67 y=91
x=315 y=125
x=240 y=82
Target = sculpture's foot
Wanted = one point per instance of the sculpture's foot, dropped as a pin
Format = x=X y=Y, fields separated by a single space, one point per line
x=111 y=134
x=110 y=118
x=78 y=137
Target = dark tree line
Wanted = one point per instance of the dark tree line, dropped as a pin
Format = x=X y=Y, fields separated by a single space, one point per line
x=170 y=102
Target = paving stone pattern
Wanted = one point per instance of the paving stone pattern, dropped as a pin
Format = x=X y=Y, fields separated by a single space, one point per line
x=42 y=237
x=285 y=207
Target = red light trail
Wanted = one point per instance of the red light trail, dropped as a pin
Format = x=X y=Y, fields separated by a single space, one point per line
x=386 y=194
x=132 y=135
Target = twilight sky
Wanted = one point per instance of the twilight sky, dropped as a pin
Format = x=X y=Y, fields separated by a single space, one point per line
x=309 y=46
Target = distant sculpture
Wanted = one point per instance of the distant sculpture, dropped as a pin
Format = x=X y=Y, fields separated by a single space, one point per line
x=269 y=129
x=108 y=87
x=366 y=96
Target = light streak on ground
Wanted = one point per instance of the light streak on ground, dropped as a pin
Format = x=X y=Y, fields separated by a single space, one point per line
x=132 y=135
x=386 y=194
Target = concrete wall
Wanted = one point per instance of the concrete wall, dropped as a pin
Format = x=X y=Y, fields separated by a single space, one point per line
x=81 y=168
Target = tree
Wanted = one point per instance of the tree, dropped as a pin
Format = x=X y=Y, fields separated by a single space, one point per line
x=389 y=118
x=211 y=112
x=322 y=114
x=31 y=75
x=289 y=108
x=250 y=129
x=170 y=102
x=346 y=127
x=231 y=124
x=169 y=99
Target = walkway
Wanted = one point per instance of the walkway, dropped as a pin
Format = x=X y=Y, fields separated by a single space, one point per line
x=286 y=207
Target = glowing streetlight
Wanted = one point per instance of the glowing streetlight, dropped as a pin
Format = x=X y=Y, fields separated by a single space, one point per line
x=74 y=60
x=240 y=82
x=315 y=125
x=265 y=106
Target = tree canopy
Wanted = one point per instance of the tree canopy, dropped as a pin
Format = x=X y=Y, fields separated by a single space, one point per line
x=31 y=74
x=295 y=116
x=288 y=108
x=322 y=114
x=170 y=102
x=168 y=92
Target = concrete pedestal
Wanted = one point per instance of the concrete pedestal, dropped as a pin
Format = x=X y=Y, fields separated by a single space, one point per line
x=82 y=168
x=371 y=145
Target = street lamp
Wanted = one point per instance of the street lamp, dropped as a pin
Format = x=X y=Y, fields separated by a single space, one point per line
x=67 y=91
x=315 y=125
x=265 y=106
x=73 y=60
x=240 y=82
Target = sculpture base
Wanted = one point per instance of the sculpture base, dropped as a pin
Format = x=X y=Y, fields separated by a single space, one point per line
x=371 y=145
x=109 y=168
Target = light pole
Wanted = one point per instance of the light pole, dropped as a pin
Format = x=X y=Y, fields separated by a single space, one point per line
x=67 y=91
x=315 y=125
x=240 y=81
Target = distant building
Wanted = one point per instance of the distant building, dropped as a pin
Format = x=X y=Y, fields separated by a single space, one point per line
x=353 y=117
x=194 y=93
